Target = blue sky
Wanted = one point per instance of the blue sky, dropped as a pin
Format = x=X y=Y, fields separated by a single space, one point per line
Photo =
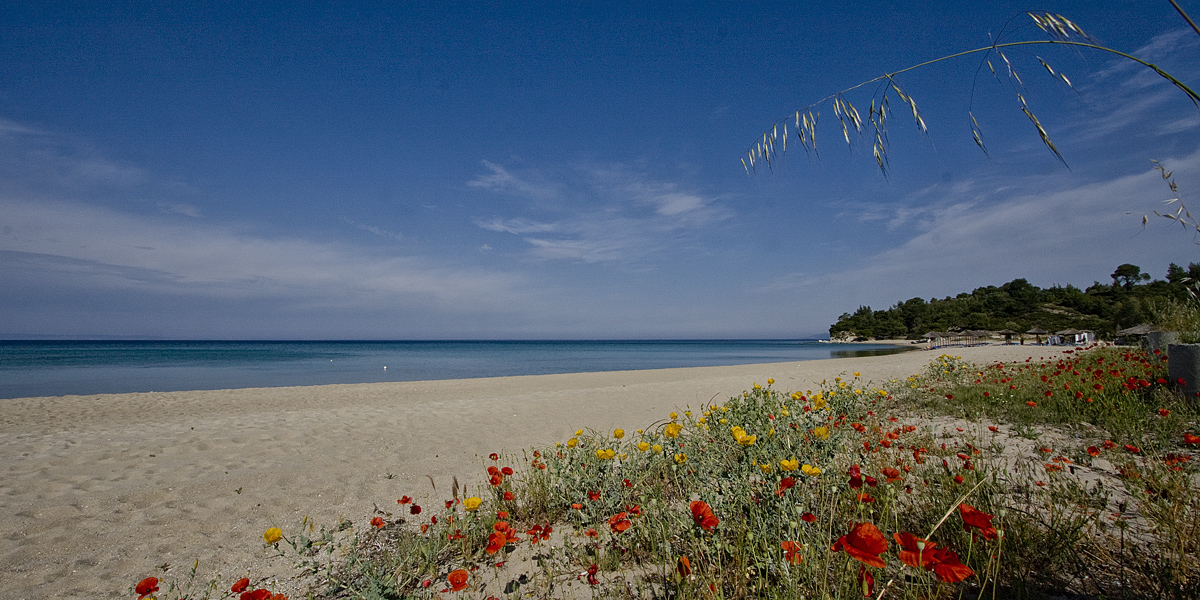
x=568 y=170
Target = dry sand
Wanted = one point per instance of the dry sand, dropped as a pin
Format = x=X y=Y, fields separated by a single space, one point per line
x=100 y=491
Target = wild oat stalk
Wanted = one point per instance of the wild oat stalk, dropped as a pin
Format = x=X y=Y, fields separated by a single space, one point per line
x=1060 y=30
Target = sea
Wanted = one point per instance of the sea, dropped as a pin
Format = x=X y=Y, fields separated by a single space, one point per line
x=59 y=368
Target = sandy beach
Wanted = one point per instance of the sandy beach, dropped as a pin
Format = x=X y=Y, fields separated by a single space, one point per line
x=101 y=491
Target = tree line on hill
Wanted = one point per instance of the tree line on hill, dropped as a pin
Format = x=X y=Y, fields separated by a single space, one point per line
x=1020 y=306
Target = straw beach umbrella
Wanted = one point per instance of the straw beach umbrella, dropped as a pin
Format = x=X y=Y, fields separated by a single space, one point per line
x=1039 y=332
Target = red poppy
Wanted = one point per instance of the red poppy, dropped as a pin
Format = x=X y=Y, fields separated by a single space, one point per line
x=377 y=522
x=594 y=496
x=855 y=474
x=146 y=587
x=703 y=515
x=494 y=456
x=496 y=480
x=684 y=566
x=865 y=543
x=496 y=542
x=867 y=581
x=808 y=517
x=259 y=594
x=414 y=509
x=627 y=483
x=450 y=503
x=619 y=522
x=576 y=506
x=892 y=474
x=1130 y=448
x=240 y=585
x=785 y=484
x=1164 y=412
x=864 y=498
x=947 y=567
x=634 y=510
x=502 y=514
x=791 y=552
x=509 y=496
x=591 y=574
x=507 y=471
x=404 y=500
x=1031 y=403
x=591 y=533
x=958 y=479
x=458 y=578
x=914 y=551
x=977 y=519
x=1109 y=445
x=1191 y=439
x=1094 y=451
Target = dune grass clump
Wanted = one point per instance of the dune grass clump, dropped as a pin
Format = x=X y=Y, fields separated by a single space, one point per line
x=1070 y=476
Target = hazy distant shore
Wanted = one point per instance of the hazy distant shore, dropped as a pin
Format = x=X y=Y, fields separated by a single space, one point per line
x=100 y=491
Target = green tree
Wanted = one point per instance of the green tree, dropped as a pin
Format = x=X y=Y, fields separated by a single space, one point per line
x=1127 y=275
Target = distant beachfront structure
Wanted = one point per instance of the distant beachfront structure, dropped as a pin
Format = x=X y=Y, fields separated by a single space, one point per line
x=970 y=337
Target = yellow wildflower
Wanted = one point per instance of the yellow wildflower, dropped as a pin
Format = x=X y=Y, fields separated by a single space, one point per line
x=618 y=433
x=757 y=387
x=770 y=381
x=622 y=456
x=789 y=465
x=674 y=415
x=822 y=433
x=747 y=440
x=766 y=468
x=606 y=454
x=578 y=432
x=810 y=470
x=657 y=448
x=472 y=503
x=688 y=413
x=857 y=374
x=681 y=458
x=643 y=446
x=571 y=443
x=672 y=430
x=272 y=535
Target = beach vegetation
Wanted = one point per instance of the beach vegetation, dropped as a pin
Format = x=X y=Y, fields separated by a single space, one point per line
x=870 y=123
x=1075 y=476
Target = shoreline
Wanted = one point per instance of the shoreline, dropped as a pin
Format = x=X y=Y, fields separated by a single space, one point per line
x=100 y=491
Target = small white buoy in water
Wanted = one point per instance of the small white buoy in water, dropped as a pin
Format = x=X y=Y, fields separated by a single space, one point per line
x=385 y=367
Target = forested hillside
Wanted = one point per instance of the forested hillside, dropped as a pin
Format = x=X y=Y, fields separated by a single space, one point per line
x=1021 y=306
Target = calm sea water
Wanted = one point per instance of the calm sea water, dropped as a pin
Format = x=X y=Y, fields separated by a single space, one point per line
x=57 y=368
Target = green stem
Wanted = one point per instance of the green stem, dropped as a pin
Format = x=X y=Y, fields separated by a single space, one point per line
x=1185 y=16
x=1192 y=95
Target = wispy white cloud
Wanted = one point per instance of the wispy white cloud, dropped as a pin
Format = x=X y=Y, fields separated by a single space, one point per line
x=619 y=214
x=373 y=229
x=1045 y=231
x=1128 y=94
x=501 y=180
x=103 y=247
x=180 y=208
x=517 y=226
